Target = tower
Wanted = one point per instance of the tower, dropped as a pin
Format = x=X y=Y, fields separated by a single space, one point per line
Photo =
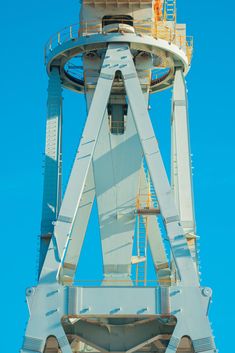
x=121 y=52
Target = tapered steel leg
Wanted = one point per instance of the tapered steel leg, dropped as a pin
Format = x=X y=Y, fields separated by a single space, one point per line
x=181 y=161
x=76 y=184
x=53 y=163
x=74 y=246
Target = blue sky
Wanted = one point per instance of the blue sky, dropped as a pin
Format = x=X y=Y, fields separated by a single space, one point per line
x=25 y=27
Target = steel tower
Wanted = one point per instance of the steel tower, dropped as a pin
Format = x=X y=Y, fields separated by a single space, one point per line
x=121 y=52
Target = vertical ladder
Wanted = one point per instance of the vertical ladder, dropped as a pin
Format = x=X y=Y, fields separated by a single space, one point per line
x=145 y=201
x=152 y=194
x=142 y=238
x=170 y=10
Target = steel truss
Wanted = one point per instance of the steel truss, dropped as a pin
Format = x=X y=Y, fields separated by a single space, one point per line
x=118 y=317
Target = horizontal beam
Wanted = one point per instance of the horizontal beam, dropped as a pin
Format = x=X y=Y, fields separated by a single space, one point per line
x=148 y=211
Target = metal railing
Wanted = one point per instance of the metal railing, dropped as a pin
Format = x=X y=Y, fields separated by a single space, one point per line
x=169 y=10
x=118 y=282
x=117 y=127
x=158 y=30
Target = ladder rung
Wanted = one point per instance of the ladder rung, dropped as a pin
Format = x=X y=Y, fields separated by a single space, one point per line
x=148 y=211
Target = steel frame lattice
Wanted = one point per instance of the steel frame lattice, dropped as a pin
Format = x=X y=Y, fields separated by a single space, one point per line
x=118 y=315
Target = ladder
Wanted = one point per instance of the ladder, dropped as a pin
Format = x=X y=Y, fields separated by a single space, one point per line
x=147 y=203
x=152 y=194
x=142 y=238
x=170 y=10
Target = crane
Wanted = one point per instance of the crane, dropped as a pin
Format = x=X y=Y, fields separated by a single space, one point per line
x=120 y=53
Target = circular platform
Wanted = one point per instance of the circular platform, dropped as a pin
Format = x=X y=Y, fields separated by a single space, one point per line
x=67 y=54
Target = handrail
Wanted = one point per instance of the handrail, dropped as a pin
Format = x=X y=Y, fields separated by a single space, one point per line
x=92 y=282
x=158 y=30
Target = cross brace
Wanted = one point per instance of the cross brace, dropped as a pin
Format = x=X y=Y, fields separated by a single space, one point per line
x=51 y=300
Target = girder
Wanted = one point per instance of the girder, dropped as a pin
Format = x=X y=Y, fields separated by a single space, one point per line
x=53 y=163
x=76 y=238
x=181 y=161
x=83 y=161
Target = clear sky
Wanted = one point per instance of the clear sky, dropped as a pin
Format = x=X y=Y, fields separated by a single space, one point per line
x=25 y=27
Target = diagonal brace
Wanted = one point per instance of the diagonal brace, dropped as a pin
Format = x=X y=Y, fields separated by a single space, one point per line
x=157 y=171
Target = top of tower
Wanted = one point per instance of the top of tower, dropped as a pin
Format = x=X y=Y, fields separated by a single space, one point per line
x=146 y=25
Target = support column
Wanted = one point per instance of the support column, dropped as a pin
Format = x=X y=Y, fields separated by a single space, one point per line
x=53 y=163
x=78 y=232
x=181 y=161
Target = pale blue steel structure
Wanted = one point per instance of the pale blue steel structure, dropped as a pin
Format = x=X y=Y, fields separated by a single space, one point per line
x=117 y=316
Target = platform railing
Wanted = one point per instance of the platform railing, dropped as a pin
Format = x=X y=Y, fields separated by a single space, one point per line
x=117 y=127
x=119 y=282
x=158 y=30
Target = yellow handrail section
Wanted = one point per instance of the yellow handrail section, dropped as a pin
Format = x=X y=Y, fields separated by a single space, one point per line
x=145 y=200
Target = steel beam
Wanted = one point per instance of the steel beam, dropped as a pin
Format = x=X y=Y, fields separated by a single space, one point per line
x=83 y=160
x=181 y=161
x=53 y=163
x=74 y=245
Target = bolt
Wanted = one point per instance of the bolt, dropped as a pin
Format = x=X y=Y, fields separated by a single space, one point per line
x=207 y=292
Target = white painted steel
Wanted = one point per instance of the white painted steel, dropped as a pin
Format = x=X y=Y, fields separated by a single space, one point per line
x=83 y=159
x=51 y=301
x=181 y=159
x=157 y=172
x=53 y=163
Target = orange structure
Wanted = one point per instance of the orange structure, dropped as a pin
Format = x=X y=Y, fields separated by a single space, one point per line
x=158 y=10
